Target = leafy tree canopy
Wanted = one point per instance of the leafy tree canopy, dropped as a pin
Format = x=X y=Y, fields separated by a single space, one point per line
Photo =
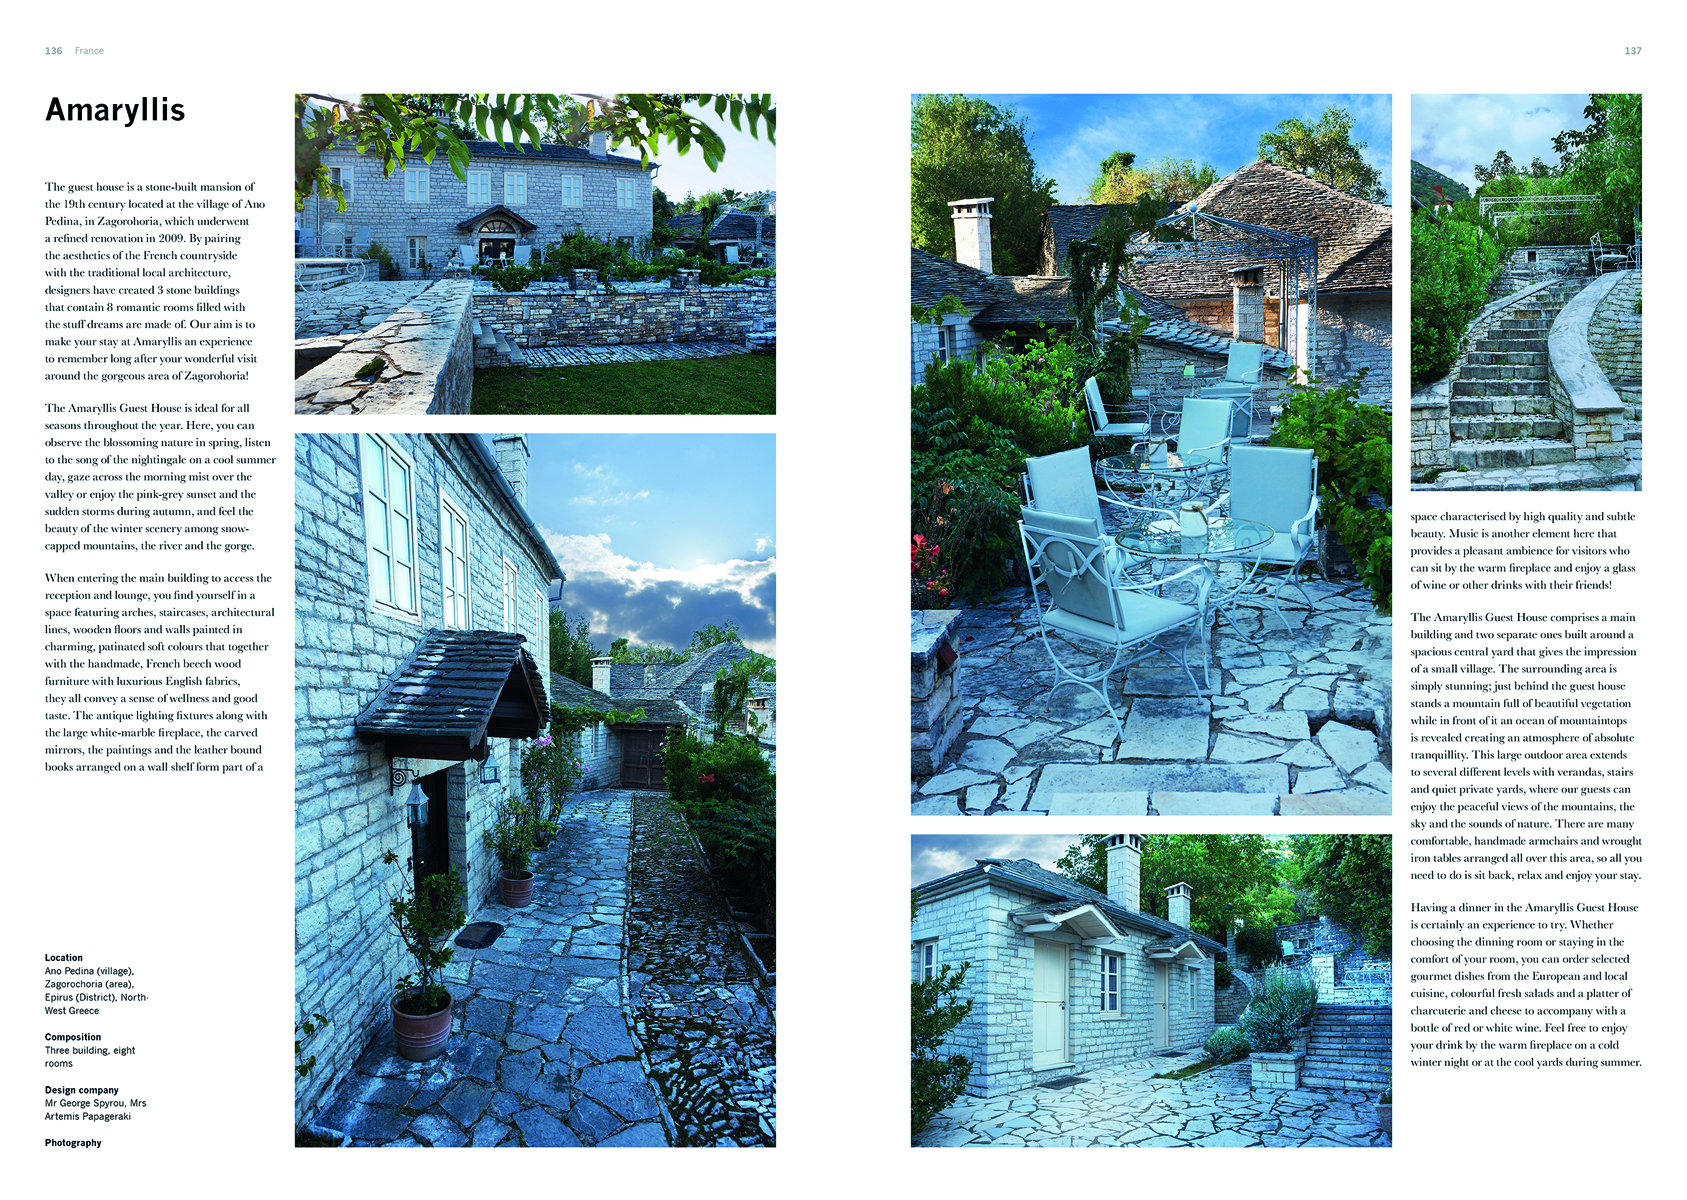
x=1327 y=150
x=1174 y=180
x=965 y=148
x=571 y=647
x=393 y=125
x=1352 y=876
x=1234 y=876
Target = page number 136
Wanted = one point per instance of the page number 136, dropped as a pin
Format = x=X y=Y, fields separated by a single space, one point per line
x=1631 y=49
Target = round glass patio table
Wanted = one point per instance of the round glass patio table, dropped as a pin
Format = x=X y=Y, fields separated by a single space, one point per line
x=1149 y=468
x=1225 y=537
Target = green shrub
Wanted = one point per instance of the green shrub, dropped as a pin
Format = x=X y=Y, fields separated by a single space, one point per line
x=725 y=790
x=1223 y=974
x=1281 y=1008
x=1355 y=461
x=1453 y=262
x=1227 y=1044
x=934 y=1011
x=1259 y=946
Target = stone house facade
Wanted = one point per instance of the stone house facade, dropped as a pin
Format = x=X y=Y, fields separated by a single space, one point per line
x=1355 y=271
x=421 y=606
x=1063 y=978
x=512 y=204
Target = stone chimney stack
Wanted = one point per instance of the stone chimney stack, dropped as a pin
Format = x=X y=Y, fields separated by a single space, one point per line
x=600 y=144
x=1247 y=296
x=512 y=452
x=617 y=679
x=1177 y=904
x=1124 y=871
x=972 y=233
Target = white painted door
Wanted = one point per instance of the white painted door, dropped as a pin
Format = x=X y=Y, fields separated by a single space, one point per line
x=1162 y=1014
x=1048 y=1005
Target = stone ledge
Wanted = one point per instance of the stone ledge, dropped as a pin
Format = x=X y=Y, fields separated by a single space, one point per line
x=1571 y=367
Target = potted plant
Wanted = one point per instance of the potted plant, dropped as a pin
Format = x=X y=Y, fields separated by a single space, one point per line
x=424 y=913
x=511 y=840
x=1385 y=1107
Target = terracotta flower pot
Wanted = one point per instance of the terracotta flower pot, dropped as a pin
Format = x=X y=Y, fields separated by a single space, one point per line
x=422 y=1037
x=515 y=888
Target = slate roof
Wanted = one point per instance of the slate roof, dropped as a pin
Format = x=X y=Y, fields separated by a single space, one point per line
x=1355 y=237
x=489 y=149
x=1023 y=873
x=1003 y=300
x=1062 y=225
x=930 y=278
x=570 y=694
x=739 y=225
x=1183 y=334
x=497 y=210
x=451 y=685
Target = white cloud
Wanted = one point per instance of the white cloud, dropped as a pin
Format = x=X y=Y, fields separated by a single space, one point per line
x=589 y=556
x=618 y=498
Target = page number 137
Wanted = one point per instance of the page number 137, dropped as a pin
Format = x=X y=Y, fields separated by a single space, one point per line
x=1631 y=49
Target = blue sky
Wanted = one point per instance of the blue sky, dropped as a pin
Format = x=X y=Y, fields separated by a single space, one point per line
x=940 y=854
x=1072 y=134
x=660 y=534
x=1454 y=133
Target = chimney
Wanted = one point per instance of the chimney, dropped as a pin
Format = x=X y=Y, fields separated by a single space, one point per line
x=972 y=233
x=617 y=679
x=1177 y=904
x=1124 y=871
x=600 y=144
x=600 y=675
x=1247 y=296
x=512 y=452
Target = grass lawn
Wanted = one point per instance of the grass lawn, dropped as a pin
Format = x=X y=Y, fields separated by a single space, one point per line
x=732 y=383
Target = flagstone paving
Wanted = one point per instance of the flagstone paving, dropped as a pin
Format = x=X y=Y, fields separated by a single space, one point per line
x=543 y=1049
x=1124 y=1106
x=1297 y=723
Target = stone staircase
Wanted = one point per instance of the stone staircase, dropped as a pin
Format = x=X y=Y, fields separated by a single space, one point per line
x=1501 y=412
x=1350 y=1048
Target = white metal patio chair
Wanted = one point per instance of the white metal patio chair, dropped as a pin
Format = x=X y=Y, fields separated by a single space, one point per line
x=1067 y=559
x=1137 y=423
x=1607 y=258
x=1241 y=376
x=1277 y=486
x=1064 y=483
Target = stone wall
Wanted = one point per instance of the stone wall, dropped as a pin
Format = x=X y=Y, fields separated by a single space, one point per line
x=923 y=344
x=974 y=927
x=1614 y=333
x=378 y=205
x=1582 y=397
x=934 y=690
x=1161 y=372
x=427 y=349
x=346 y=814
x=1353 y=332
x=589 y=317
x=1530 y=265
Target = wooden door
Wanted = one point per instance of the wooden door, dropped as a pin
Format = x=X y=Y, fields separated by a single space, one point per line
x=1162 y=1013
x=430 y=844
x=642 y=759
x=1048 y=1005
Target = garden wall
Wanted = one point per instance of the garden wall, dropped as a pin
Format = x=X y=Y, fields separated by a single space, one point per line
x=585 y=316
x=1614 y=332
x=427 y=346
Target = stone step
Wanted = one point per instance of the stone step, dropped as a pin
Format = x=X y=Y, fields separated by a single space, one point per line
x=1509 y=345
x=1354 y=1082
x=1529 y=371
x=1499 y=388
x=1520 y=452
x=1556 y=477
x=1515 y=358
x=1501 y=406
x=1515 y=426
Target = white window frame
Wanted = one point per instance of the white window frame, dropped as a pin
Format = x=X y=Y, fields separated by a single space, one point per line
x=515 y=188
x=418 y=252
x=479 y=187
x=945 y=343
x=456 y=607
x=1189 y=973
x=392 y=554
x=573 y=191
x=926 y=961
x=1111 y=993
x=415 y=185
x=511 y=608
x=626 y=193
x=540 y=633
x=343 y=177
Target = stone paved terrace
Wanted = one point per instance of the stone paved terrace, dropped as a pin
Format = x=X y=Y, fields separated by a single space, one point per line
x=1124 y=1106
x=542 y=1049
x=1300 y=725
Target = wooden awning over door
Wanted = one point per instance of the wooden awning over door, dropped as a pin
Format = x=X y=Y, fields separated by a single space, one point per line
x=457 y=688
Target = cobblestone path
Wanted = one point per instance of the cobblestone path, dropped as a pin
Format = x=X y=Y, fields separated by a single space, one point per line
x=540 y=1052
x=704 y=1018
x=1293 y=729
x=1123 y=1106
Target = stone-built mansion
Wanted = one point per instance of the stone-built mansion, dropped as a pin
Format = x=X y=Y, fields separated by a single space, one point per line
x=514 y=202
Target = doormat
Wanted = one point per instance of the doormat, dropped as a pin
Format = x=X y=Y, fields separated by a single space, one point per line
x=1054 y=1085
x=1169 y=1054
x=479 y=935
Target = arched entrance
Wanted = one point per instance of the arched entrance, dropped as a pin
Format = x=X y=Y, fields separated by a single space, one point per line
x=496 y=239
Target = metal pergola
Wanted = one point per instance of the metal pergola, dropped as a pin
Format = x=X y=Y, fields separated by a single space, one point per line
x=1502 y=207
x=1294 y=255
